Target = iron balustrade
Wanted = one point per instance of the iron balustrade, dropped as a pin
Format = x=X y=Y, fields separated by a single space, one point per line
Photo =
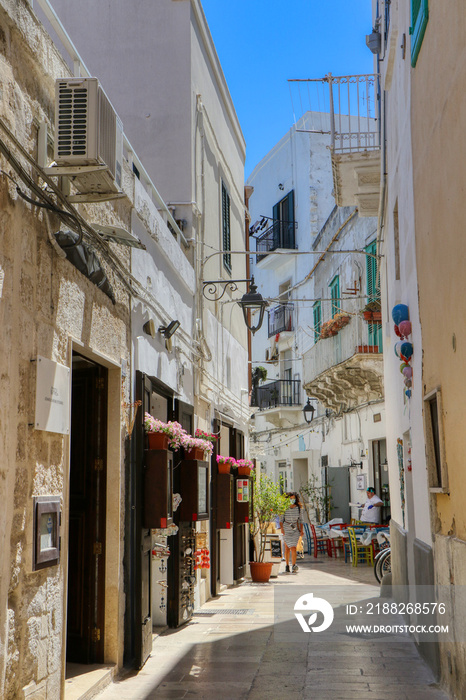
x=281 y=392
x=280 y=235
x=280 y=319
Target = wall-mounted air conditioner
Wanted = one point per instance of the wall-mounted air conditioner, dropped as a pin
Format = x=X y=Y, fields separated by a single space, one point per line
x=88 y=132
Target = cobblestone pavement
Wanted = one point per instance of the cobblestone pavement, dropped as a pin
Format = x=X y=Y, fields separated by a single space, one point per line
x=232 y=649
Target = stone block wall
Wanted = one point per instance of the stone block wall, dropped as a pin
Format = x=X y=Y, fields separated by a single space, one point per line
x=44 y=303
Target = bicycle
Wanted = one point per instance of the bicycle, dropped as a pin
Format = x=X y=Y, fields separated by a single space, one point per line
x=383 y=561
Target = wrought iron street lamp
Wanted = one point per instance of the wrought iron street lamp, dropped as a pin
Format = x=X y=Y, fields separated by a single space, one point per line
x=308 y=411
x=252 y=301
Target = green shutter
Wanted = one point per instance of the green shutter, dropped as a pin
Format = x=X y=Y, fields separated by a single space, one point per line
x=373 y=294
x=335 y=294
x=419 y=19
x=317 y=311
x=226 y=227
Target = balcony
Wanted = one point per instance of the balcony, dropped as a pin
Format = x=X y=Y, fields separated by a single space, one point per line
x=281 y=319
x=344 y=370
x=280 y=236
x=353 y=124
x=355 y=141
x=281 y=399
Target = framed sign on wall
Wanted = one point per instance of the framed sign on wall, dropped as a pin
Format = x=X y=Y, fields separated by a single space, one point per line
x=46 y=531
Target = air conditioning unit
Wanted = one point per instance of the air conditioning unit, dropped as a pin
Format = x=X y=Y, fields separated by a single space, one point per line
x=88 y=132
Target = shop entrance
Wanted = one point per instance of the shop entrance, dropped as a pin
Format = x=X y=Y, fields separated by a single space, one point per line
x=87 y=513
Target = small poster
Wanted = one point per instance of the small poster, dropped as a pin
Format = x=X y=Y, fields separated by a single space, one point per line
x=361 y=482
x=242 y=490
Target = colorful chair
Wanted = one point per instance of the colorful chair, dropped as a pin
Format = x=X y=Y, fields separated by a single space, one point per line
x=360 y=553
x=320 y=544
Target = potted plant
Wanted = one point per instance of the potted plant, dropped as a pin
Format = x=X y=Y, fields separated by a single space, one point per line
x=327 y=329
x=196 y=447
x=340 y=320
x=268 y=502
x=225 y=464
x=372 y=311
x=245 y=467
x=162 y=435
x=211 y=437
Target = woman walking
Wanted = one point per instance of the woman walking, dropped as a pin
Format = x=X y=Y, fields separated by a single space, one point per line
x=291 y=525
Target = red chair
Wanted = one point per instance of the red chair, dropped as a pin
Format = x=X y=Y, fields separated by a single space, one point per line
x=320 y=544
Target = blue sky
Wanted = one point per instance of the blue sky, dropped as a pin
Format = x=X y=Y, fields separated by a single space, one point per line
x=262 y=43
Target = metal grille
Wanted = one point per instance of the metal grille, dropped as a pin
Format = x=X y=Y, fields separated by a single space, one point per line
x=72 y=120
x=230 y=611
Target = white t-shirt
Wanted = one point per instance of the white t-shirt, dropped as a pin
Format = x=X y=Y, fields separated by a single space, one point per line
x=372 y=515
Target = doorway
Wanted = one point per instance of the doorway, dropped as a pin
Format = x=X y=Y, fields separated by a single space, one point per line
x=87 y=512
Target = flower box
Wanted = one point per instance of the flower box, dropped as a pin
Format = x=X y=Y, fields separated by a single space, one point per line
x=195 y=453
x=372 y=316
x=223 y=467
x=244 y=471
x=158 y=441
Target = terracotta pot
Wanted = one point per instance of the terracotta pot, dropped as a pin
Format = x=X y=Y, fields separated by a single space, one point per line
x=223 y=467
x=195 y=453
x=260 y=571
x=244 y=471
x=372 y=315
x=158 y=441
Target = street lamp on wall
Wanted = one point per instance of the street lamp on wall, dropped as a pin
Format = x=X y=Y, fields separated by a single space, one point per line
x=308 y=411
x=213 y=290
x=253 y=301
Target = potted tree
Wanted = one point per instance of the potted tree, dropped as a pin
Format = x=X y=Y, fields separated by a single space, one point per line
x=267 y=503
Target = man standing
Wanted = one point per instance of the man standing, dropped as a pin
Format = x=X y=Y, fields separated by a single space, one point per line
x=372 y=512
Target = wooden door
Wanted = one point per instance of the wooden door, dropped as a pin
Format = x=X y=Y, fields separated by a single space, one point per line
x=87 y=513
x=142 y=555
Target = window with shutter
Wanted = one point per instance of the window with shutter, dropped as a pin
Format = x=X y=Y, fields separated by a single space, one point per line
x=335 y=294
x=226 y=228
x=284 y=223
x=317 y=310
x=419 y=19
x=373 y=294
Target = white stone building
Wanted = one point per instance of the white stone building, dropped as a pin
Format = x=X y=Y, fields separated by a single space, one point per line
x=176 y=107
x=293 y=188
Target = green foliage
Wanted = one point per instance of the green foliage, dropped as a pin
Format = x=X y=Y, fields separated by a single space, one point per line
x=268 y=502
x=319 y=498
x=259 y=374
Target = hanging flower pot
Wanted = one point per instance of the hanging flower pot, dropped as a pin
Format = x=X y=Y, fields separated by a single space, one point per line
x=158 y=441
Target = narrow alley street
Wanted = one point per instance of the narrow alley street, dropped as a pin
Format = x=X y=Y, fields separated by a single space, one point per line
x=232 y=649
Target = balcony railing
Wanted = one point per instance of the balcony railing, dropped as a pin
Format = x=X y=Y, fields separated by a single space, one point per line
x=354 y=113
x=352 y=116
x=280 y=235
x=280 y=319
x=281 y=392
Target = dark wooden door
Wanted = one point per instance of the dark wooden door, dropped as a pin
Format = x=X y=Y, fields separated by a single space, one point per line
x=87 y=513
x=239 y=546
x=143 y=603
